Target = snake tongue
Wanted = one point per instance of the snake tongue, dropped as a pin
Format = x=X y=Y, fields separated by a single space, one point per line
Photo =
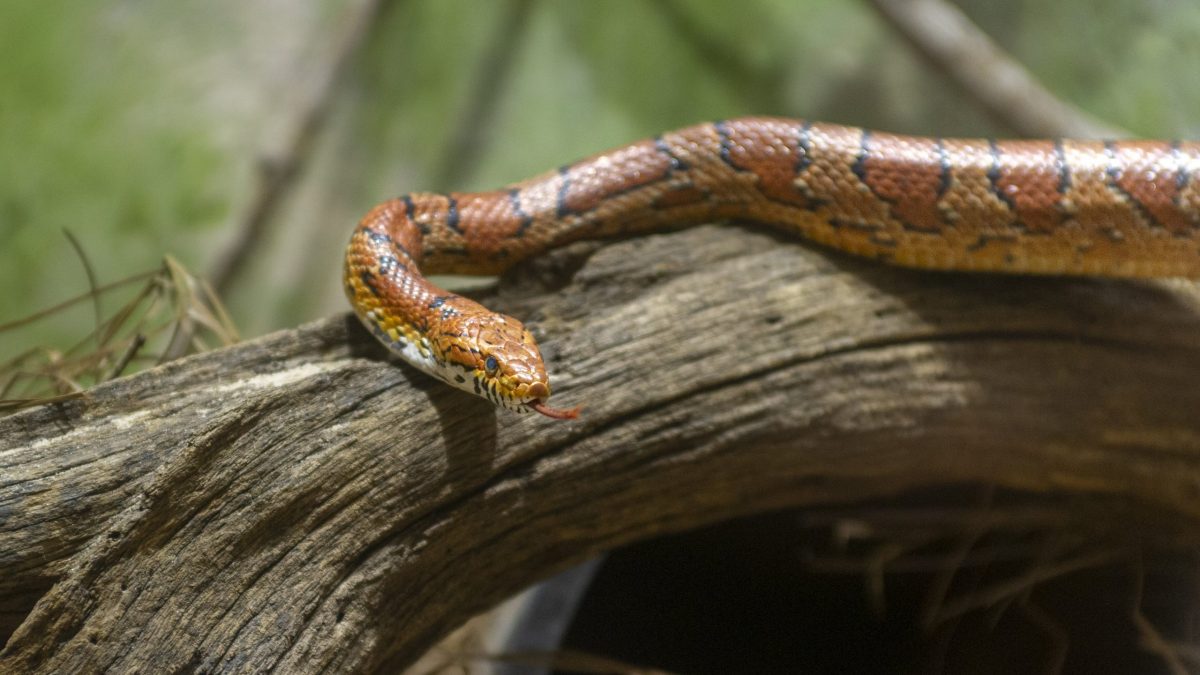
x=559 y=414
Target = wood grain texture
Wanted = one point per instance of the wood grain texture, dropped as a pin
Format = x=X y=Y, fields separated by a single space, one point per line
x=299 y=503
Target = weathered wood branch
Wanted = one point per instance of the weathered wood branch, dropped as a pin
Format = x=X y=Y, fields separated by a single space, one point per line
x=298 y=502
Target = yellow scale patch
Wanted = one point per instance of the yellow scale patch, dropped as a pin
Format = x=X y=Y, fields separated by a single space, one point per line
x=391 y=326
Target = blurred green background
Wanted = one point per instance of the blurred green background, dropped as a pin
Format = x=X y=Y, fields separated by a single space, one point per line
x=144 y=127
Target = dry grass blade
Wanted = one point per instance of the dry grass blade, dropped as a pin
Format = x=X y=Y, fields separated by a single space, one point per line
x=1151 y=639
x=70 y=302
x=13 y=404
x=987 y=561
x=136 y=344
x=1017 y=586
x=1055 y=634
x=169 y=302
x=91 y=275
x=195 y=306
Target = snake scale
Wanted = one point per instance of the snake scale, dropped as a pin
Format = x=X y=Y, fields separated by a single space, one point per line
x=1104 y=208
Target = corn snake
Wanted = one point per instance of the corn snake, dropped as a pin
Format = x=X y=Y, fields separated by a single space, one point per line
x=1103 y=208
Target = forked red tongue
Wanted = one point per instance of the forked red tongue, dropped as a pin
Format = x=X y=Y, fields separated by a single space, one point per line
x=556 y=413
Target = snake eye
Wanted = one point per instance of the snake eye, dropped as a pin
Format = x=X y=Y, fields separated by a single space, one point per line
x=491 y=365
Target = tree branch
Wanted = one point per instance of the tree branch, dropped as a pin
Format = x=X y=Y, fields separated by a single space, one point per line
x=278 y=170
x=954 y=45
x=299 y=503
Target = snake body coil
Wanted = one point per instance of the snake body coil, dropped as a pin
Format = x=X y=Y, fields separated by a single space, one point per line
x=1116 y=208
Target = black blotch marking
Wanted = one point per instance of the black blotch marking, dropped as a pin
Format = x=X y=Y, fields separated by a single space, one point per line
x=381 y=334
x=1111 y=170
x=410 y=211
x=804 y=144
x=984 y=240
x=449 y=312
x=909 y=227
x=1181 y=174
x=459 y=378
x=671 y=192
x=452 y=215
x=1112 y=173
x=563 y=210
x=944 y=168
x=676 y=163
x=993 y=175
x=561 y=207
x=514 y=198
x=854 y=225
x=859 y=168
x=723 y=135
x=439 y=301
x=475 y=381
x=388 y=264
x=384 y=240
x=368 y=280
x=804 y=160
x=1064 y=169
x=1182 y=178
x=884 y=256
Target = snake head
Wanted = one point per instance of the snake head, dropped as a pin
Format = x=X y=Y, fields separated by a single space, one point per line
x=495 y=357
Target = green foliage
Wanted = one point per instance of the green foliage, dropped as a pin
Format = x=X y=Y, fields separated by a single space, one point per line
x=89 y=143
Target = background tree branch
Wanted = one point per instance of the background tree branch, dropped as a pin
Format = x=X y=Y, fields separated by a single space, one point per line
x=279 y=167
x=954 y=45
x=298 y=502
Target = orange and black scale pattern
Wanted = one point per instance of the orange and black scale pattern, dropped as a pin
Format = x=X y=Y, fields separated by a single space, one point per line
x=1115 y=208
